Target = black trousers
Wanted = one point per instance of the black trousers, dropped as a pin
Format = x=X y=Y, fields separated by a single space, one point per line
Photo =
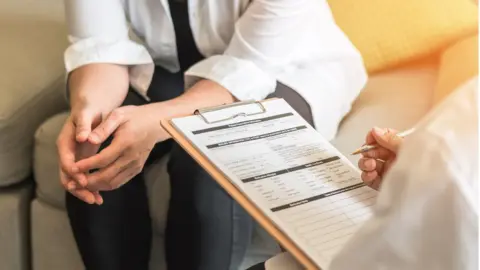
x=206 y=229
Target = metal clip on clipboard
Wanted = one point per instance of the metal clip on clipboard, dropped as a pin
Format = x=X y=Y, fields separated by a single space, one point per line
x=202 y=112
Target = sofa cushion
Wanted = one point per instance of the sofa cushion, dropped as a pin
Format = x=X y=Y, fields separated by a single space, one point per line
x=31 y=46
x=52 y=242
x=14 y=224
x=389 y=33
x=45 y=162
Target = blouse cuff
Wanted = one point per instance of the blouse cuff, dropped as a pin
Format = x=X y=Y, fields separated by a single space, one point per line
x=121 y=52
x=244 y=79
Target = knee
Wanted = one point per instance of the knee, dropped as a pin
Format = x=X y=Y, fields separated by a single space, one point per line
x=192 y=186
x=188 y=180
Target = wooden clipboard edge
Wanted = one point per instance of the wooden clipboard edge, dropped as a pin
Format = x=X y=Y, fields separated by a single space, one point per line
x=237 y=195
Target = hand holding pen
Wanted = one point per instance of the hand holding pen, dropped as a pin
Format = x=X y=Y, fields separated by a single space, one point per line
x=368 y=147
x=379 y=153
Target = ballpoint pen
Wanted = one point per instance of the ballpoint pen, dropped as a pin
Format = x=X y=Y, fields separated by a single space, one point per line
x=369 y=147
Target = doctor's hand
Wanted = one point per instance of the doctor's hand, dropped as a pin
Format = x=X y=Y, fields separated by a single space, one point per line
x=135 y=131
x=375 y=163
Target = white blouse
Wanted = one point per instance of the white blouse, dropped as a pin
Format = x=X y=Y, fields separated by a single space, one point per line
x=248 y=47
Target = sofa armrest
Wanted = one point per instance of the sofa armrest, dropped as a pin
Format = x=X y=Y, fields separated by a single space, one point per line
x=18 y=125
x=31 y=86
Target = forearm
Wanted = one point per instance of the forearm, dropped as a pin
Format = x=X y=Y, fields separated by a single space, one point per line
x=105 y=85
x=204 y=93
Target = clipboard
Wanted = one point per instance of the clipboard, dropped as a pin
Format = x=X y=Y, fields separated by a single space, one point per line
x=228 y=186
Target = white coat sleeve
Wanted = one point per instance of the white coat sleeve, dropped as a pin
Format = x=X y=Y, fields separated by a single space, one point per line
x=422 y=219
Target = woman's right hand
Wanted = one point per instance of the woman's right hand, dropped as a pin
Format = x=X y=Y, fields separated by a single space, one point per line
x=95 y=91
x=375 y=163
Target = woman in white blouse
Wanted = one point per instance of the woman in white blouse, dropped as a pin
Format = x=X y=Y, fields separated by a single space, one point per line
x=193 y=54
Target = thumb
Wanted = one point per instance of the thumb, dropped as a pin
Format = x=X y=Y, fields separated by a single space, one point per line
x=83 y=126
x=387 y=139
x=107 y=127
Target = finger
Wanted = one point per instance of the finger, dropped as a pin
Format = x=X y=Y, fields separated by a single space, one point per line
x=387 y=138
x=103 y=179
x=369 y=139
x=84 y=195
x=67 y=152
x=376 y=183
x=79 y=182
x=80 y=179
x=64 y=180
x=107 y=127
x=102 y=159
x=368 y=177
x=367 y=164
x=104 y=176
x=66 y=148
x=73 y=187
x=83 y=125
x=68 y=183
x=84 y=150
x=380 y=167
x=80 y=193
x=378 y=153
x=123 y=177
x=98 y=197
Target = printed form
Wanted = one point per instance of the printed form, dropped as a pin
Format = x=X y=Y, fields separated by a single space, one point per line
x=297 y=178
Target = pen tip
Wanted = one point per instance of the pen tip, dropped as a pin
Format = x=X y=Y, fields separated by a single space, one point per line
x=356 y=152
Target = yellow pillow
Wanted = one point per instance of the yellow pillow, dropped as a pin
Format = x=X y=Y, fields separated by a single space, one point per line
x=458 y=64
x=392 y=32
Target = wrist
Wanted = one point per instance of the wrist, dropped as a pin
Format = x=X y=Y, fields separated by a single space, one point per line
x=154 y=113
x=97 y=107
x=101 y=86
x=203 y=94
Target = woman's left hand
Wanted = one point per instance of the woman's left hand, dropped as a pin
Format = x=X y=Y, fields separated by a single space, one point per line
x=135 y=130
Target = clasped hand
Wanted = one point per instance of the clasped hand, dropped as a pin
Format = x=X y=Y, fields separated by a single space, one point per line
x=134 y=130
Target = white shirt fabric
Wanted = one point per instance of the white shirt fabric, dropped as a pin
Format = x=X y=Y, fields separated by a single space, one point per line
x=426 y=215
x=248 y=47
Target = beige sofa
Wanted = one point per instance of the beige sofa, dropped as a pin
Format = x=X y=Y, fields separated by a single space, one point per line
x=34 y=229
x=31 y=44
